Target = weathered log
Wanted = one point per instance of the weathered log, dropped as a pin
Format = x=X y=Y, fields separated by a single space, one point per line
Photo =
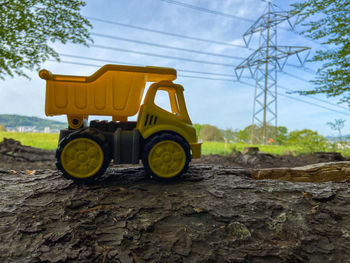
x=213 y=215
x=250 y=150
x=15 y=149
x=320 y=172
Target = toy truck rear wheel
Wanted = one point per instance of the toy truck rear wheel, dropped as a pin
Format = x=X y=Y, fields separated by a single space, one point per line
x=166 y=157
x=83 y=156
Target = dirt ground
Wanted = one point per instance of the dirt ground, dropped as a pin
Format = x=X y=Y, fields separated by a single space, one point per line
x=217 y=213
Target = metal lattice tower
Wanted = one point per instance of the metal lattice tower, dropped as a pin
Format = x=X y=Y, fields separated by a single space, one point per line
x=263 y=65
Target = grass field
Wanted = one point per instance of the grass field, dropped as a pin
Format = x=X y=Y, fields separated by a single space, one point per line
x=46 y=141
x=49 y=141
x=221 y=148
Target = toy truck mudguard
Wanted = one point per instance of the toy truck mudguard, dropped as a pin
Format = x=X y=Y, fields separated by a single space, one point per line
x=165 y=141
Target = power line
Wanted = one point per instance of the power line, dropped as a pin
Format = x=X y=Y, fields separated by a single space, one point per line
x=294 y=76
x=301 y=100
x=77 y=63
x=127 y=63
x=312 y=98
x=172 y=57
x=308 y=70
x=97 y=59
x=316 y=99
x=217 y=79
x=165 y=33
x=202 y=9
x=198 y=8
x=179 y=36
x=161 y=56
x=157 y=55
x=200 y=77
x=164 y=46
x=185 y=76
x=180 y=49
x=314 y=104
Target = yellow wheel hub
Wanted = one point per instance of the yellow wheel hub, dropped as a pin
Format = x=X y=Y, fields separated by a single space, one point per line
x=167 y=158
x=82 y=158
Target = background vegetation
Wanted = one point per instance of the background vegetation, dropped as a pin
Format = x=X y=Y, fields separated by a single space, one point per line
x=327 y=21
x=224 y=142
x=303 y=141
x=29 y=28
x=46 y=141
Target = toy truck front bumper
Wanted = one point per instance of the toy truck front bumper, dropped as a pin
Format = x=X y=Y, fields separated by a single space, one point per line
x=196 y=149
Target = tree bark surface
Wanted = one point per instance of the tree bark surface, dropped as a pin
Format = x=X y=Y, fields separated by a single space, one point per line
x=319 y=172
x=215 y=214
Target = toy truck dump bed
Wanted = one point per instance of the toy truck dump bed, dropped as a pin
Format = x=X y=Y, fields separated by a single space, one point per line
x=113 y=90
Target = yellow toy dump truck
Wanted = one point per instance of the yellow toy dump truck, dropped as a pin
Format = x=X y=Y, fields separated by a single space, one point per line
x=164 y=140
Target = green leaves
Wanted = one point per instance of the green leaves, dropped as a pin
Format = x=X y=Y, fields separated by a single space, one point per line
x=28 y=27
x=308 y=140
x=211 y=133
x=328 y=21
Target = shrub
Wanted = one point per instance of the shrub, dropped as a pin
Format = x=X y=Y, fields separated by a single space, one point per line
x=211 y=133
x=308 y=140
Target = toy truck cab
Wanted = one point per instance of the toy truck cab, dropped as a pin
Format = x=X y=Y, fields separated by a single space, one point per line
x=164 y=140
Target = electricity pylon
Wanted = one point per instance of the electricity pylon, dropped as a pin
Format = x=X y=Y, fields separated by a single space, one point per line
x=263 y=65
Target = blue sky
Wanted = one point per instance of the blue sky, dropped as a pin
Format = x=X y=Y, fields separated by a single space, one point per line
x=224 y=104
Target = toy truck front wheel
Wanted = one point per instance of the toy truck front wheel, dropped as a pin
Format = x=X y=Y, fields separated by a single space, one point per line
x=83 y=156
x=166 y=157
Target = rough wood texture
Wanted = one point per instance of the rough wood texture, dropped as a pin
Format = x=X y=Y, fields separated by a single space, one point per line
x=216 y=214
x=250 y=150
x=14 y=155
x=15 y=149
x=320 y=172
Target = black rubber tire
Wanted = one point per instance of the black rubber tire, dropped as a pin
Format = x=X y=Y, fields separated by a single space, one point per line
x=151 y=142
x=88 y=133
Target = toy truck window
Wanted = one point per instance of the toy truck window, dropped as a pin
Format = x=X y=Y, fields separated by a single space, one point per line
x=167 y=100
x=162 y=100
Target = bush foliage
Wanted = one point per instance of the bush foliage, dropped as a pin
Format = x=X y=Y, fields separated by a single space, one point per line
x=304 y=141
x=211 y=133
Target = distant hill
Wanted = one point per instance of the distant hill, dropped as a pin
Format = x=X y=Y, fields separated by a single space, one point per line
x=12 y=121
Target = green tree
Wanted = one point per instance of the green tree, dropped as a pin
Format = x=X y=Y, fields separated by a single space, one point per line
x=328 y=21
x=308 y=140
x=2 y=127
x=230 y=135
x=281 y=135
x=337 y=125
x=278 y=134
x=28 y=27
x=245 y=134
x=211 y=133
